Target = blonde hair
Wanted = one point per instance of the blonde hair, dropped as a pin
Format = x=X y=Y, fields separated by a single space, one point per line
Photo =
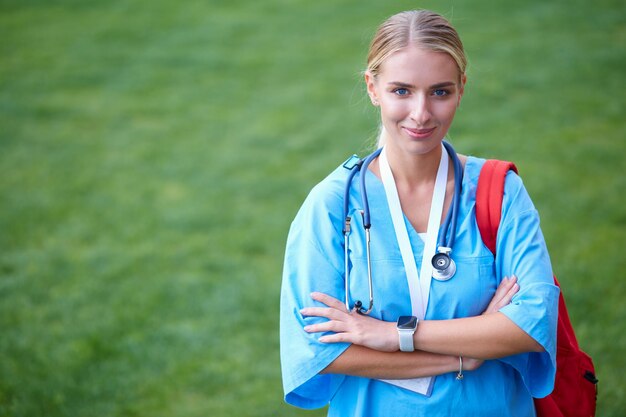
x=424 y=28
x=418 y=27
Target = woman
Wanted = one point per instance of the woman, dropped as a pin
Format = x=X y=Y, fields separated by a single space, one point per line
x=482 y=342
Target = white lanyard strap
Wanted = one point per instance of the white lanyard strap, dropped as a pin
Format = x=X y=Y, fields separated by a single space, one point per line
x=419 y=289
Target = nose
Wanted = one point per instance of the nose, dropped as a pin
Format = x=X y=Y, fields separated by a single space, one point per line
x=420 y=113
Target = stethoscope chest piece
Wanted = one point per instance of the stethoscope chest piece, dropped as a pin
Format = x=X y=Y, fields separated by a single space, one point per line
x=444 y=266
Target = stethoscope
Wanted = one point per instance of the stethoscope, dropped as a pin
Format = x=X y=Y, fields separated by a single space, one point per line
x=444 y=266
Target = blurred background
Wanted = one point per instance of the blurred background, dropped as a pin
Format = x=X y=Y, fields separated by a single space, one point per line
x=153 y=154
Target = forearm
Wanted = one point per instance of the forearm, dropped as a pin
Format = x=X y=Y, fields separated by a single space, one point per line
x=488 y=336
x=361 y=361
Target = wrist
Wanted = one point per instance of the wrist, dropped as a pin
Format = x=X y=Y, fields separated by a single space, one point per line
x=393 y=340
x=406 y=327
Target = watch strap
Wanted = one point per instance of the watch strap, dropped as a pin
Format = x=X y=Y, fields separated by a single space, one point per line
x=406 y=340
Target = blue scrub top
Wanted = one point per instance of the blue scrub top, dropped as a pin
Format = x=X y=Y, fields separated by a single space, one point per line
x=314 y=261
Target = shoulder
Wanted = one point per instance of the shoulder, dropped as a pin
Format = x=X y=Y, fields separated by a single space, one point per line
x=515 y=200
x=472 y=170
x=325 y=199
x=319 y=221
x=330 y=191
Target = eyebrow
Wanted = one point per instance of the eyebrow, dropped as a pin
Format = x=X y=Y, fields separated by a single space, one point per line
x=435 y=86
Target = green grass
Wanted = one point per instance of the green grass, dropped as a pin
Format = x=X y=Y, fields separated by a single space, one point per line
x=153 y=154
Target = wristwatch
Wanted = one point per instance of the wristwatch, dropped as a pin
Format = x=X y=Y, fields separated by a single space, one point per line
x=406 y=326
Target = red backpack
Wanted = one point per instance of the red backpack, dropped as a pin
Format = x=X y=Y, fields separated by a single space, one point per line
x=575 y=385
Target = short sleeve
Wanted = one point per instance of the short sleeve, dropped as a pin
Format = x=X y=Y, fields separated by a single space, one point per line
x=313 y=262
x=521 y=251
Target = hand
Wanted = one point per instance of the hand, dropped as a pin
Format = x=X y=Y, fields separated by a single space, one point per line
x=505 y=292
x=350 y=326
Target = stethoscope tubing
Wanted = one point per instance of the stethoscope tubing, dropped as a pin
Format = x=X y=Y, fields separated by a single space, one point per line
x=367 y=223
x=449 y=222
x=458 y=179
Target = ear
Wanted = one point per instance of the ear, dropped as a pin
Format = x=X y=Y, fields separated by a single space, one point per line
x=370 y=83
x=462 y=89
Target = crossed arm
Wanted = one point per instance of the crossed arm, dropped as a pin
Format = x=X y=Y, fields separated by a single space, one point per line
x=374 y=350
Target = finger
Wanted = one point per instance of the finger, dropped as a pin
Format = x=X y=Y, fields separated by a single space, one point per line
x=329 y=313
x=328 y=300
x=503 y=288
x=500 y=293
x=328 y=326
x=511 y=288
x=336 y=338
x=509 y=295
x=506 y=300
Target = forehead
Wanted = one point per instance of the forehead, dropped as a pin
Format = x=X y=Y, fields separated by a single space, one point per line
x=418 y=66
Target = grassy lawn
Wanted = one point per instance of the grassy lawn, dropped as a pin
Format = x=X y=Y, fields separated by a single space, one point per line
x=153 y=154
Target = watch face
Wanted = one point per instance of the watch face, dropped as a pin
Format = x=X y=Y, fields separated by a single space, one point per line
x=407 y=322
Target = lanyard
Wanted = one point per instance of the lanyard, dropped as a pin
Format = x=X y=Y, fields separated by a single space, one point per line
x=419 y=289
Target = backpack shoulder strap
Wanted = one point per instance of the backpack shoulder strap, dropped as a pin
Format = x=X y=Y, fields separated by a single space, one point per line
x=575 y=381
x=489 y=193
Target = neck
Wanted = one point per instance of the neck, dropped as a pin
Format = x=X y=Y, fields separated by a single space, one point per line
x=413 y=170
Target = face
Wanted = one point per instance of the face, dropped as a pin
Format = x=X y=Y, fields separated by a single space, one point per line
x=418 y=91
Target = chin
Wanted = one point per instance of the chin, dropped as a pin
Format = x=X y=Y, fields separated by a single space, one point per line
x=420 y=146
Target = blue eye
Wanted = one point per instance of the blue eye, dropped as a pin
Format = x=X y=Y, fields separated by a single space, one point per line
x=440 y=93
x=401 y=91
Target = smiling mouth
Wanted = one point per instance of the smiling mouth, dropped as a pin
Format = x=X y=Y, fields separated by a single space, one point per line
x=419 y=133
